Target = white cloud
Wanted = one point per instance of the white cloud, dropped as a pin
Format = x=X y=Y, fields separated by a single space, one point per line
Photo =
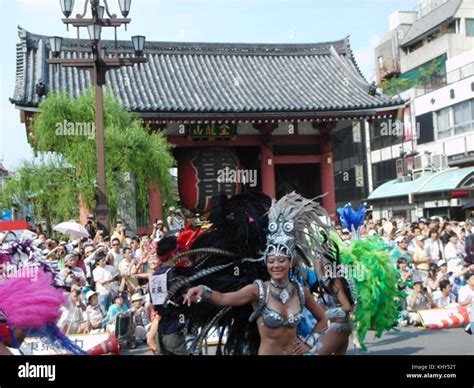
x=366 y=59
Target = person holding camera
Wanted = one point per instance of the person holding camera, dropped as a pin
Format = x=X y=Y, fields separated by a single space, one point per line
x=418 y=299
x=175 y=219
x=91 y=226
x=72 y=319
x=71 y=274
x=56 y=257
x=159 y=230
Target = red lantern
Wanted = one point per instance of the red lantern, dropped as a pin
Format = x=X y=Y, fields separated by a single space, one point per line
x=205 y=172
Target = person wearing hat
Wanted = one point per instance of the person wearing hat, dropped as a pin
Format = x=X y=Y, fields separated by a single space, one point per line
x=420 y=259
x=93 y=312
x=71 y=274
x=443 y=270
x=159 y=230
x=400 y=250
x=418 y=299
x=175 y=219
x=141 y=317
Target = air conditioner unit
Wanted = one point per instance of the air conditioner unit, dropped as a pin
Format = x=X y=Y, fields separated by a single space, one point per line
x=421 y=162
x=404 y=178
x=440 y=162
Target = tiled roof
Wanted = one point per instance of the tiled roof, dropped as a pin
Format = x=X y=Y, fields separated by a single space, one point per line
x=431 y=20
x=210 y=77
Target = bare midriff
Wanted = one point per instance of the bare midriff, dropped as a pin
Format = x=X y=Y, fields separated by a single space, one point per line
x=276 y=342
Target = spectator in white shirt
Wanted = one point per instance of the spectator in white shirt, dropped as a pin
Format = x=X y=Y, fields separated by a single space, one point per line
x=175 y=221
x=434 y=247
x=72 y=320
x=71 y=274
x=135 y=246
x=105 y=277
x=126 y=266
x=94 y=314
x=115 y=255
x=452 y=249
x=466 y=293
x=444 y=297
x=159 y=230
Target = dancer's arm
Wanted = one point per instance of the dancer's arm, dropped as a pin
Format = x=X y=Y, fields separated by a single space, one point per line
x=317 y=312
x=237 y=298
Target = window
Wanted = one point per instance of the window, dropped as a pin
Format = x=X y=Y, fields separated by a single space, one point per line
x=424 y=124
x=462 y=117
x=470 y=27
x=462 y=120
x=444 y=125
x=384 y=171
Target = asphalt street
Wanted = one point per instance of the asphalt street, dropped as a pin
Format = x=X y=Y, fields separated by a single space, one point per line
x=407 y=341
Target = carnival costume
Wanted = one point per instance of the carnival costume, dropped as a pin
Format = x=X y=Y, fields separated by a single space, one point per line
x=375 y=286
x=226 y=257
x=29 y=299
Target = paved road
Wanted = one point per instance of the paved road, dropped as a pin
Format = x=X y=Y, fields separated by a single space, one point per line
x=408 y=341
x=419 y=341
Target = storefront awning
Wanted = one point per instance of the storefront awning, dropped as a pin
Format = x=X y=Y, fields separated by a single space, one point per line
x=445 y=180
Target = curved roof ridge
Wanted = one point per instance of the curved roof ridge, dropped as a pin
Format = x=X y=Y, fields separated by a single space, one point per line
x=320 y=48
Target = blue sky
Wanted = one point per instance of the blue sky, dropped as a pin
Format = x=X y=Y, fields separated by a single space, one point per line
x=253 y=21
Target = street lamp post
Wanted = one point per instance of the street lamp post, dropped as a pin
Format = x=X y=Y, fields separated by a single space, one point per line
x=98 y=65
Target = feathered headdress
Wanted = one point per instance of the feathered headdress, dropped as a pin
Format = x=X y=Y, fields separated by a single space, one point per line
x=351 y=219
x=298 y=228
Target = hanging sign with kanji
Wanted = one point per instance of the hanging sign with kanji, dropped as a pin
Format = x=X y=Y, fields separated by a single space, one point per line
x=211 y=131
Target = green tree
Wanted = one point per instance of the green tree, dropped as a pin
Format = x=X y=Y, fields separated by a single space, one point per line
x=64 y=125
x=48 y=186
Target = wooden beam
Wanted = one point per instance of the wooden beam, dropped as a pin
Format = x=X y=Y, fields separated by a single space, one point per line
x=244 y=141
x=297 y=159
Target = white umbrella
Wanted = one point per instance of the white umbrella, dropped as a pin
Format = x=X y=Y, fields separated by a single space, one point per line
x=72 y=229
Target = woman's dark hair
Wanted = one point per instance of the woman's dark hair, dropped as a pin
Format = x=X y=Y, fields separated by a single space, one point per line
x=401 y=260
x=443 y=284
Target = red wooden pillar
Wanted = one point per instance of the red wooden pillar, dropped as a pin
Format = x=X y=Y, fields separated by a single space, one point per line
x=267 y=170
x=327 y=177
x=83 y=211
x=155 y=202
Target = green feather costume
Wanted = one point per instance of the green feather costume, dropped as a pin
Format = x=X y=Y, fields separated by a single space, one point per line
x=376 y=284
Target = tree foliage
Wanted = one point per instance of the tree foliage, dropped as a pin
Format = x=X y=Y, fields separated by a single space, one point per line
x=63 y=126
x=48 y=186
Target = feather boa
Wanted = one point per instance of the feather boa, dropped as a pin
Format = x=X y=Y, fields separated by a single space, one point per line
x=30 y=303
x=376 y=284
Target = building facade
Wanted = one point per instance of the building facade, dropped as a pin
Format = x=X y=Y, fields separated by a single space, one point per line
x=427 y=58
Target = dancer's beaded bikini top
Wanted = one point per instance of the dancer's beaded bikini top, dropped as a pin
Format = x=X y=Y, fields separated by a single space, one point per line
x=271 y=318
